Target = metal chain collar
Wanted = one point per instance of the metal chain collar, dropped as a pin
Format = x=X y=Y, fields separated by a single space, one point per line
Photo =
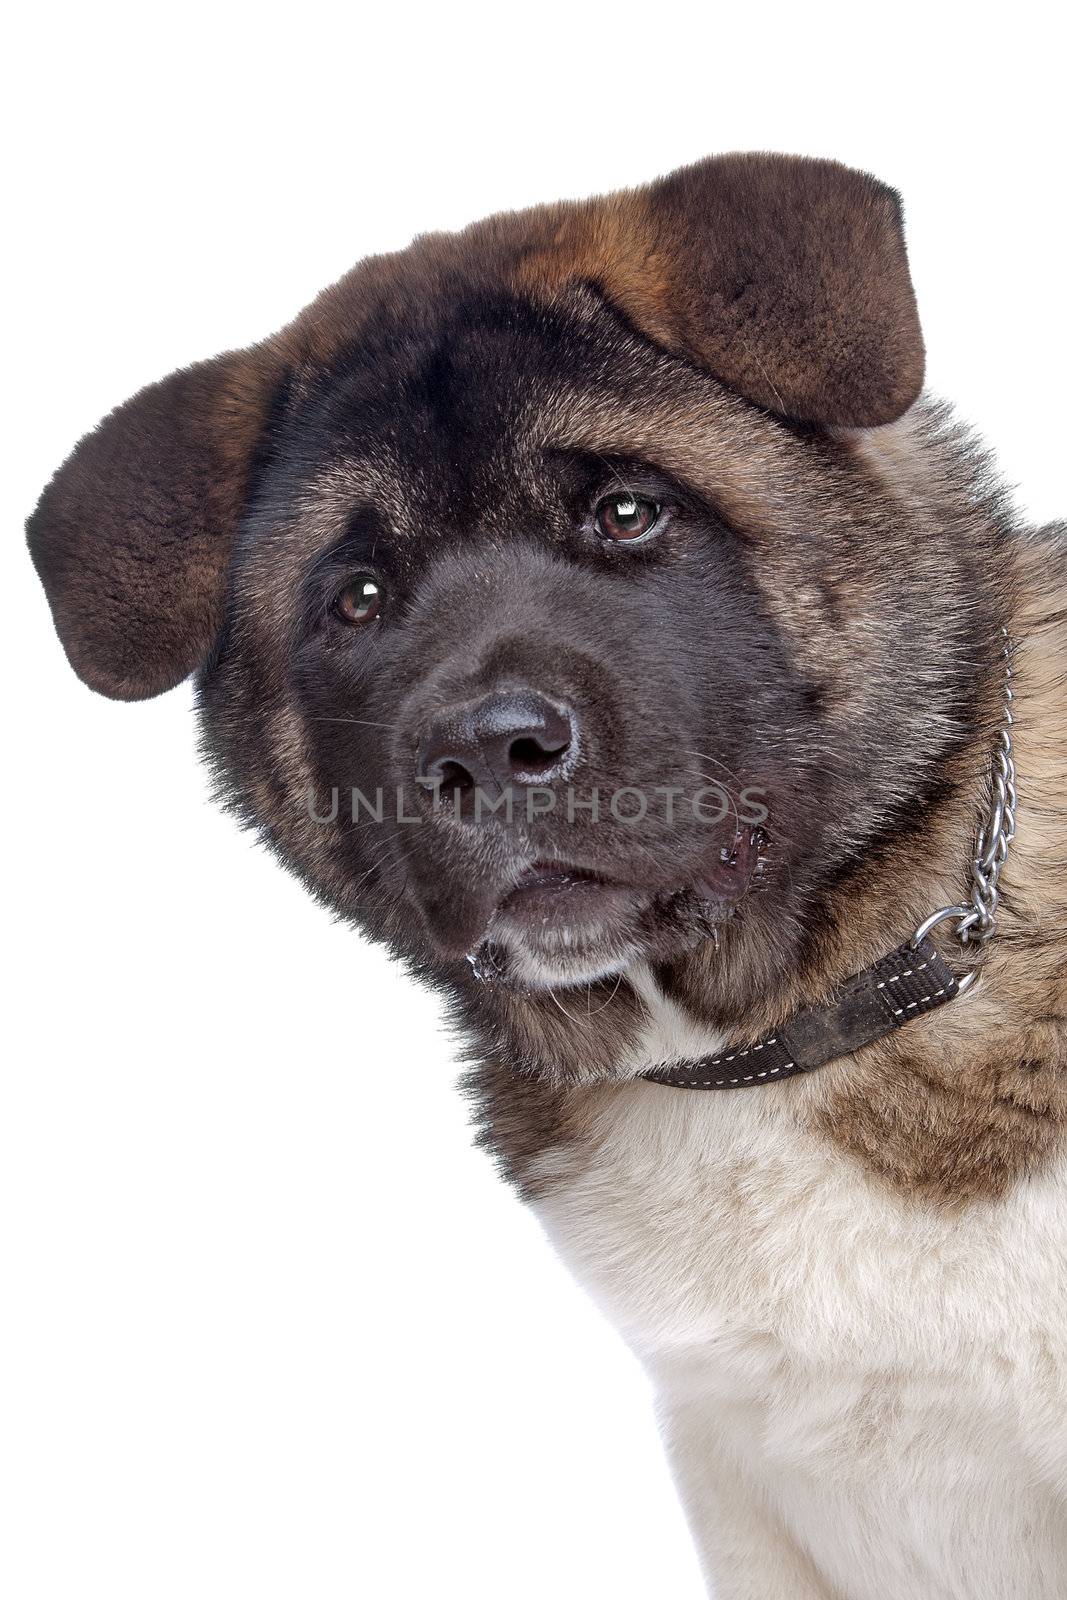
x=976 y=921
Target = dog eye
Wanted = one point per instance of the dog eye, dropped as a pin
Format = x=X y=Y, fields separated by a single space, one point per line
x=359 y=601
x=626 y=516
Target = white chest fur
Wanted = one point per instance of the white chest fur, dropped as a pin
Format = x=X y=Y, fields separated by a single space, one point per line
x=862 y=1397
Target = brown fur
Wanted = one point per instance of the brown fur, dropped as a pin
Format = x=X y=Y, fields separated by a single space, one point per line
x=787 y=278
x=740 y=263
x=134 y=613
x=976 y=1098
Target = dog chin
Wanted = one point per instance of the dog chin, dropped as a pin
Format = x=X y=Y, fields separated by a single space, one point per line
x=552 y=962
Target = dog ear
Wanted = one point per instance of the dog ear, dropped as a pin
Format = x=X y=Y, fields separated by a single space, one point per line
x=132 y=538
x=786 y=277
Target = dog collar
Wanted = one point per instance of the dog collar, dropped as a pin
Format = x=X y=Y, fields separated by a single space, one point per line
x=909 y=982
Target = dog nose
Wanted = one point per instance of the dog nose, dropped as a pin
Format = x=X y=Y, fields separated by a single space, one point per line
x=513 y=736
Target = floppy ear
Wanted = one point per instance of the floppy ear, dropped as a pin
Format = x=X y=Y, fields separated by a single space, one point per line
x=786 y=277
x=132 y=537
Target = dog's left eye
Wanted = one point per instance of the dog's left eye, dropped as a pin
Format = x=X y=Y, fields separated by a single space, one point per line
x=626 y=516
x=359 y=601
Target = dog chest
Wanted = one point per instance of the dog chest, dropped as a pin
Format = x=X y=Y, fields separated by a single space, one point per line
x=822 y=1334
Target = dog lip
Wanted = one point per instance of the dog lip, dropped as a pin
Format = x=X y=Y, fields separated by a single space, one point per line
x=544 y=874
x=553 y=888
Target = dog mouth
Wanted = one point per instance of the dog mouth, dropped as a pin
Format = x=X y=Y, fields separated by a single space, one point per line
x=561 y=922
x=552 y=888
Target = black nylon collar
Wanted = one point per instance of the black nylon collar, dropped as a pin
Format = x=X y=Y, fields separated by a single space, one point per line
x=902 y=986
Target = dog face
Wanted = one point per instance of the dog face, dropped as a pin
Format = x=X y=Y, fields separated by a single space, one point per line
x=549 y=611
x=469 y=633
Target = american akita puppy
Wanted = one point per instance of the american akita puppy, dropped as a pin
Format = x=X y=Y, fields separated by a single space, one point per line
x=589 y=606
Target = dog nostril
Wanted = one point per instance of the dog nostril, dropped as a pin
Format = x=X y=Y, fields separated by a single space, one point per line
x=451 y=778
x=534 y=755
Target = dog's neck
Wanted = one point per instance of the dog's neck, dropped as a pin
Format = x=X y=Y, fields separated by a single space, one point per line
x=903 y=986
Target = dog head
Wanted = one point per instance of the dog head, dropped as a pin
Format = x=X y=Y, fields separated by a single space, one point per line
x=547 y=605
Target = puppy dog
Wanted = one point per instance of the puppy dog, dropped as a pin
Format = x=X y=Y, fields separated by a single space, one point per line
x=590 y=606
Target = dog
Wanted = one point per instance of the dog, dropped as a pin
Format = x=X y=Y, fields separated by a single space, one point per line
x=591 y=606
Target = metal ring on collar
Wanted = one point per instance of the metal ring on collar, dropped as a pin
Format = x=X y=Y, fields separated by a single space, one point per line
x=961 y=913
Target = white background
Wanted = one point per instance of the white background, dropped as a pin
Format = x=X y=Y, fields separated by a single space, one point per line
x=270 y=1327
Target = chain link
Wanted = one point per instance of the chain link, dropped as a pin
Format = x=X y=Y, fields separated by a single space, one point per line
x=976 y=921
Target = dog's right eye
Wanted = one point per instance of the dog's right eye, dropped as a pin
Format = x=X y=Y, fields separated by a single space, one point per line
x=359 y=601
x=626 y=516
